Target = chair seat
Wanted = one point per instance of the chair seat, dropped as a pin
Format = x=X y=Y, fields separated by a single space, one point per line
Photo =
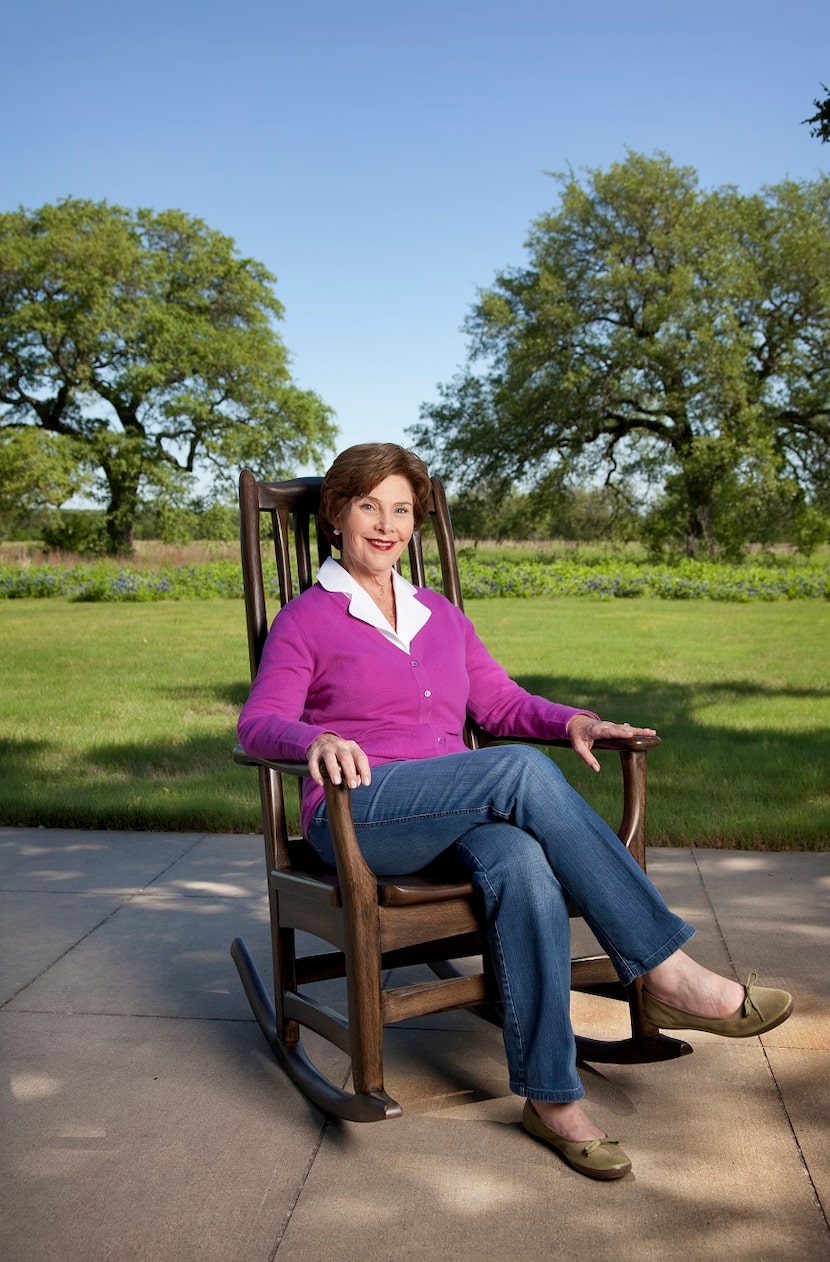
x=403 y=891
x=439 y=883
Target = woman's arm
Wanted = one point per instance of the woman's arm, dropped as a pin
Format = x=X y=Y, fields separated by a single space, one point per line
x=271 y=723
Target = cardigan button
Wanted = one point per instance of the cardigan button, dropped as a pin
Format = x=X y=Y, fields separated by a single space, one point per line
x=427 y=692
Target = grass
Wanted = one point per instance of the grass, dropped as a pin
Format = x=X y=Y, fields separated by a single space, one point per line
x=740 y=696
x=123 y=716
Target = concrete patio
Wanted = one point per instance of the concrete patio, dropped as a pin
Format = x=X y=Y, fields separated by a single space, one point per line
x=143 y=1116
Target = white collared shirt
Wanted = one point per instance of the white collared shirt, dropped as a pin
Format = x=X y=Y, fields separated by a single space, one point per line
x=411 y=614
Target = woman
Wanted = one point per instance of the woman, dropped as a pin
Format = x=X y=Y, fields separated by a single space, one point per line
x=365 y=677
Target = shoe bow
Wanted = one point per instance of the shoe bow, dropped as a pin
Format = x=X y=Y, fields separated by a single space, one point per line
x=749 y=1002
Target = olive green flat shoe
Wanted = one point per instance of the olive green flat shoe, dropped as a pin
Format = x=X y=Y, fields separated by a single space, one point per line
x=598 y=1158
x=762 y=1009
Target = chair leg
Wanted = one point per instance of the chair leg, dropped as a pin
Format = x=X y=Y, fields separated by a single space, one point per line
x=361 y=945
x=646 y=1045
x=360 y=1106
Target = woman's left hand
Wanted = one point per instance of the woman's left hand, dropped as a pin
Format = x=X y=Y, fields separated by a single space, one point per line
x=584 y=729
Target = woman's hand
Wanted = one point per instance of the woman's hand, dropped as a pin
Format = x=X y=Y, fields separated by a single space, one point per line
x=584 y=729
x=343 y=760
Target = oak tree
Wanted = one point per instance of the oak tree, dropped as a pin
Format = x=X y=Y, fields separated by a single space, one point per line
x=146 y=342
x=659 y=336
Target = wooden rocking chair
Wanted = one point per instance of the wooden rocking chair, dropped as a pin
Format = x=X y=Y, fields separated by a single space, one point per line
x=380 y=923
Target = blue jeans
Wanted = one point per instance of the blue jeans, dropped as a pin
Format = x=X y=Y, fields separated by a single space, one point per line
x=530 y=843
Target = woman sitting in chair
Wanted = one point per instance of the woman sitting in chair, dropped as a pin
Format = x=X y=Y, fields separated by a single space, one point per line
x=366 y=677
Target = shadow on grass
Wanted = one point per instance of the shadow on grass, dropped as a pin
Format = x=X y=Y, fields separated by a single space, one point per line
x=709 y=785
x=234 y=695
x=189 y=784
x=670 y=701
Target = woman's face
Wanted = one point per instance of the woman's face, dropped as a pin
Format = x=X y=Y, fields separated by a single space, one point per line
x=376 y=528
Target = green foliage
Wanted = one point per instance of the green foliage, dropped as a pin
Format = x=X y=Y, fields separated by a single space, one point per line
x=665 y=337
x=172 y=523
x=84 y=533
x=552 y=510
x=38 y=470
x=489 y=511
x=218 y=521
x=110 y=583
x=188 y=521
x=148 y=342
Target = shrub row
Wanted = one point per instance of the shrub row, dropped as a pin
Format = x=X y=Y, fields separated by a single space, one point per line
x=102 y=581
x=105 y=582
x=687 y=580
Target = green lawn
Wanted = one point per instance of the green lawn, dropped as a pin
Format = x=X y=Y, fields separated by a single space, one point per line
x=123 y=715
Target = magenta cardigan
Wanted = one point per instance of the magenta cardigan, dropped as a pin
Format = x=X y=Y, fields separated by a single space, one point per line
x=323 y=670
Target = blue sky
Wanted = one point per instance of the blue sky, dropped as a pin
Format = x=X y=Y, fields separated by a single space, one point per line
x=385 y=160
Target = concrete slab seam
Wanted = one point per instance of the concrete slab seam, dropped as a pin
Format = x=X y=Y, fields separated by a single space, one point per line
x=124 y=903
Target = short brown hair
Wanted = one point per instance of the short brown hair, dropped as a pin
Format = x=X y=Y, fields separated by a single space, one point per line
x=357 y=470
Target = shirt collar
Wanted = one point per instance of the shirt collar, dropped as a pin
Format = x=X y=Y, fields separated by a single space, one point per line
x=411 y=614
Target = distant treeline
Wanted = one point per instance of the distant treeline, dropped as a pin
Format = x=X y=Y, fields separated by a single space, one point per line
x=581 y=515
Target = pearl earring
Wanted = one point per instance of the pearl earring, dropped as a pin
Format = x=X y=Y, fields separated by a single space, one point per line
x=335 y=531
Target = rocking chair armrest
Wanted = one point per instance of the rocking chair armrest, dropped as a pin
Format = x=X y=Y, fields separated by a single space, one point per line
x=635 y=743
x=283 y=766
x=622 y=743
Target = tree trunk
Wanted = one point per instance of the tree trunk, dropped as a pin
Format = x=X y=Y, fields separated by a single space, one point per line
x=120 y=536
x=700 y=518
x=122 y=510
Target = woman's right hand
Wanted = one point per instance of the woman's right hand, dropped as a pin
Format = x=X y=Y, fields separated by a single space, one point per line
x=343 y=760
